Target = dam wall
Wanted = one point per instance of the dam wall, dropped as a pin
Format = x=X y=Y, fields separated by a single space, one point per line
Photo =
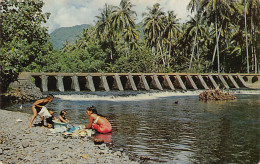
x=62 y=82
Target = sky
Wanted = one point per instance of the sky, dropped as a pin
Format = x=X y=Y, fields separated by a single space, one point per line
x=67 y=13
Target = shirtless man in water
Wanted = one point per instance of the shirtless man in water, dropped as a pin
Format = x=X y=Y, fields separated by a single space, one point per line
x=37 y=106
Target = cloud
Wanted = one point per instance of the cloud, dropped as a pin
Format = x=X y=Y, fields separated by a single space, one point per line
x=67 y=13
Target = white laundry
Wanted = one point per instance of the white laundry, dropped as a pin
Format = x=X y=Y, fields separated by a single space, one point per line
x=44 y=112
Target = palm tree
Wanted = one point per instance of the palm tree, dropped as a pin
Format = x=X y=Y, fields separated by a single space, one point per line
x=197 y=29
x=104 y=30
x=215 y=11
x=123 y=21
x=67 y=47
x=251 y=8
x=83 y=40
x=153 y=27
x=194 y=6
x=247 y=56
x=131 y=36
x=170 y=32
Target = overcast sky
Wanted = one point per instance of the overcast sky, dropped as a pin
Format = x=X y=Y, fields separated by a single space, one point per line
x=67 y=13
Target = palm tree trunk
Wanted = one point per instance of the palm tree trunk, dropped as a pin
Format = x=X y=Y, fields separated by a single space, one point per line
x=193 y=48
x=216 y=24
x=215 y=49
x=198 y=56
x=169 y=57
x=162 y=56
x=195 y=39
x=253 y=43
x=247 y=57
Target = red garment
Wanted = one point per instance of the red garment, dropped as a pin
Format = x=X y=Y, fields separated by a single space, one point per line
x=104 y=128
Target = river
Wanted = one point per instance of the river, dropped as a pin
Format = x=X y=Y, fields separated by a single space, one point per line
x=172 y=127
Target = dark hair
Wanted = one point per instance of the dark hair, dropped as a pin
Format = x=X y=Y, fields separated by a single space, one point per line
x=50 y=96
x=62 y=112
x=92 y=109
x=50 y=109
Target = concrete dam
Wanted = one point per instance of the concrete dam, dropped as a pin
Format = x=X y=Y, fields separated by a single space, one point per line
x=139 y=81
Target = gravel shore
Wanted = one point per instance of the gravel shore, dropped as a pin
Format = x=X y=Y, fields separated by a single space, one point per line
x=19 y=144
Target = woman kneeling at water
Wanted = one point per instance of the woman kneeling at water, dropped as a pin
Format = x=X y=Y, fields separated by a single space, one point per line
x=97 y=122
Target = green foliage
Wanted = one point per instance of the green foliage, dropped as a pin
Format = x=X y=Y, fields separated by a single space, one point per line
x=24 y=39
x=137 y=61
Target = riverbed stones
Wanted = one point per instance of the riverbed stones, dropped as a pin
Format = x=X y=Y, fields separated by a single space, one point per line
x=216 y=95
x=22 y=145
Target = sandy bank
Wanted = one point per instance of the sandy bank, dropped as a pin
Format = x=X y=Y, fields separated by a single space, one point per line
x=18 y=144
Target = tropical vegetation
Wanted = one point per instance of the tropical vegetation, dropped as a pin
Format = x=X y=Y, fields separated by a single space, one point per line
x=221 y=36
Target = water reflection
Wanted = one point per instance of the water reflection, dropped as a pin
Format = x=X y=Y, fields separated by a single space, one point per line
x=105 y=137
x=191 y=131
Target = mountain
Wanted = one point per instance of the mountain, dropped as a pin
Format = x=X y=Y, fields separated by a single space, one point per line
x=60 y=35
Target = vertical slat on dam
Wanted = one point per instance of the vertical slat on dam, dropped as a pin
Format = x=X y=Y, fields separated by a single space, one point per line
x=169 y=82
x=241 y=80
x=90 y=84
x=118 y=81
x=181 y=82
x=203 y=82
x=146 y=86
x=157 y=82
x=44 y=83
x=233 y=81
x=223 y=81
x=104 y=81
x=60 y=84
x=132 y=82
x=192 y=82
x=75 y=83
x=213 y=81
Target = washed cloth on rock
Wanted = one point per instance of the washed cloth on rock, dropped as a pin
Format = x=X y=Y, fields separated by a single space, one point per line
x=59 y=127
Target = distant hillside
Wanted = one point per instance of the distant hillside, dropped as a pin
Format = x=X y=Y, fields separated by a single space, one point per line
x=60 y=35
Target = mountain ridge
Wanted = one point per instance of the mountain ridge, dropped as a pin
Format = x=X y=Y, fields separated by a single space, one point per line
x=71 y=34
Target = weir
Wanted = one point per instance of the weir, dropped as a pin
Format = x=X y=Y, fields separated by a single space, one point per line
x=140 y=81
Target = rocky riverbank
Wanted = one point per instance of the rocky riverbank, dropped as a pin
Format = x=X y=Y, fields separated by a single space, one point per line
x=19 y=144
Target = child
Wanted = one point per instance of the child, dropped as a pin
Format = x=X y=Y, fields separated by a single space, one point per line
x=62 y=117
x=38 y=106
x=49 y=120
x=97 y=122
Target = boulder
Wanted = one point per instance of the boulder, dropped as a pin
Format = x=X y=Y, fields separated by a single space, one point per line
x=22 y=91
x=216 y=95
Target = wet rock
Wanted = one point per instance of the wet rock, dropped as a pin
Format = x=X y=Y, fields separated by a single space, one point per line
x=216 y=95
x=144 y=158
x=98 y=141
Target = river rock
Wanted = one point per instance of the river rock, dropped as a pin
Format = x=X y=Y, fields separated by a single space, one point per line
x=216 y=95
x=22 y=91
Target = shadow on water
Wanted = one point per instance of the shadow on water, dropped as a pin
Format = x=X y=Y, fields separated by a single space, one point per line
x=190 y=131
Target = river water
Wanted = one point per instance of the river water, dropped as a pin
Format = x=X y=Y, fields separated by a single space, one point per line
x=172 y=127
